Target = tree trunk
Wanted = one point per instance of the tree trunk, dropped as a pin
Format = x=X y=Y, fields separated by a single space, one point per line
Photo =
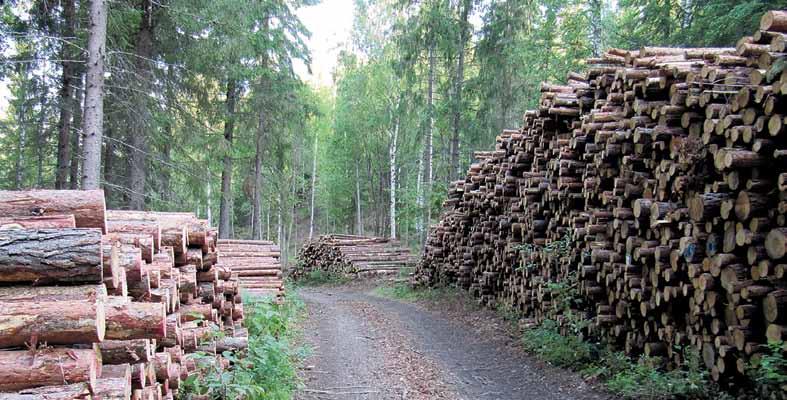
x=225 y=215
x=358 y=214
x=76 y=127
x=256 y=232
x=392 y=161
x=40 y=140
x=458 y=87
x=51 y=256
x=139 y=120
x=66 y=95
x=429 y=143
x=24 y=369
x=21 y=145
x=94 y=95
x=314 y=188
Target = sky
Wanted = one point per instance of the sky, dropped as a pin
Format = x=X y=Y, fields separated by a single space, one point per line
x=330 y=23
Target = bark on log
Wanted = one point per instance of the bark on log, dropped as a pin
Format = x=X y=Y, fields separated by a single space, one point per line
x=53 y=293
x=38 y=222
x=51 y=255
x=135 y=320
x=53 y=322
x=74 y=391
x=87 y=206
x=26 y=369
x=125 y=351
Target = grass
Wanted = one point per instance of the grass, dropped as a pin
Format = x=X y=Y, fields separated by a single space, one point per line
x=321 y=278
x=621 y=375
x=406 y=292
x=267 y=369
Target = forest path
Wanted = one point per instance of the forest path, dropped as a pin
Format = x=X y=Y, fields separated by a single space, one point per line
x=366 y=347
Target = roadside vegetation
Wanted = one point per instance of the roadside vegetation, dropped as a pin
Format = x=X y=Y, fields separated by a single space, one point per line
x=268 y=369
x=322 y=278
x=405 y=292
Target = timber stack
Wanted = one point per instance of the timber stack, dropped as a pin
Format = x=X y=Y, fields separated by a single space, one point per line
x=97 y=303
x=354 y=255
x=647 y=195
x=256 y=263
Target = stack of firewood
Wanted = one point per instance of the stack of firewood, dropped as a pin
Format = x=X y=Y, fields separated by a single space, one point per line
x=112 y=303
x=353 y=255
x=647 y=195
x=256 y=263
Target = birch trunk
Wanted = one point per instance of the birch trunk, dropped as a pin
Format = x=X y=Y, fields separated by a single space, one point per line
x=458 y=84
x=225 y=207
x=314 y=184
x=256 y=232
x=429 y=141
x=392 y=159
x=358 y=214
x=76 y=133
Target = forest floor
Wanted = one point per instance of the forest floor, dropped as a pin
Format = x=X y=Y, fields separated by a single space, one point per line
x=365 y=346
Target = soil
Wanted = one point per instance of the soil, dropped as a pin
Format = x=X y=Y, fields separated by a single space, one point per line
x=368 y=347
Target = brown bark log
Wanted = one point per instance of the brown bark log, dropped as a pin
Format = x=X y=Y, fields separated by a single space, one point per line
x=74 y=391
x=38 y=222
x=125 y=351
x=51 y=255
x=135 y=320
x=87 y=206
x=145 y=243
x=135 y=227
x=88 y=293
x=53 y=322
x=113 y=388
x=25 y=369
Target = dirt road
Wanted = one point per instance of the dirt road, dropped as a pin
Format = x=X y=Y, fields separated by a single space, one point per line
x=366 y=347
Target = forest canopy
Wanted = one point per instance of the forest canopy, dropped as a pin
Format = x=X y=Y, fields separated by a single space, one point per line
x=203 y=109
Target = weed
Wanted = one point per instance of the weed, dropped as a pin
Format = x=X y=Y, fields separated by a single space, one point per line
x=321 y=277
x=267 y=370
x=406 y=292
x=640 y=379
x=769 y=373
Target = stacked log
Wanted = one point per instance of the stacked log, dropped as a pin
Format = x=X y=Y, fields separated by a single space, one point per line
x=112 y=304
x=354 y=255
x=647 y=196
x=256 y=264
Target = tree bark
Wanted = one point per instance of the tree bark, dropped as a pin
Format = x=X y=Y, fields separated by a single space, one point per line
x=25 y=369
x=38 y=222
x=87 y=207
x=456 y=120
x=128 y=320
x=359 y=213
x=225 y=207
x=139 y=120
x=76 y=130
x=392 y=148
x=256 y=232
x=53 y=322
x=314 y=188
x=94 y=94
x=51 y=256
x=74 y=391
x=66 y=95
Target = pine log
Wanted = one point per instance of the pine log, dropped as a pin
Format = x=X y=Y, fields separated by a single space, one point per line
x=53 y=322
x=51 y=255
x=87 y=206
x=38 y=222
x=125 y=351
x=135 y=320
x=74 y=391
x=49 y=366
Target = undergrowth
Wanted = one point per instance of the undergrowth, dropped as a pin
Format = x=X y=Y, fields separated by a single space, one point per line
x=321 y=277
x=267 y=369
x=621 y=375
x=406 y=292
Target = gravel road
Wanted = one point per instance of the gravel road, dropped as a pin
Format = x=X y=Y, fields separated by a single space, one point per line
x=366 y=347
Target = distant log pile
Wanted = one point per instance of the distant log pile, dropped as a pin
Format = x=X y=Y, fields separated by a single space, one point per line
x=647 y=195
x=256 y=263
x=358 y=255
x=98 y=303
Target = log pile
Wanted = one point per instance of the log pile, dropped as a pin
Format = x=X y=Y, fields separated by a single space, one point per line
x=647 y=195
x=256 y=263
x=354 y=255
x=108 y=304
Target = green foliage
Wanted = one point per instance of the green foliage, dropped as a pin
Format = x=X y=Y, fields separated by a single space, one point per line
x=321 y=278
x=770 y=372
x=641 y=379
x=406 y=292
x=268 y=369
